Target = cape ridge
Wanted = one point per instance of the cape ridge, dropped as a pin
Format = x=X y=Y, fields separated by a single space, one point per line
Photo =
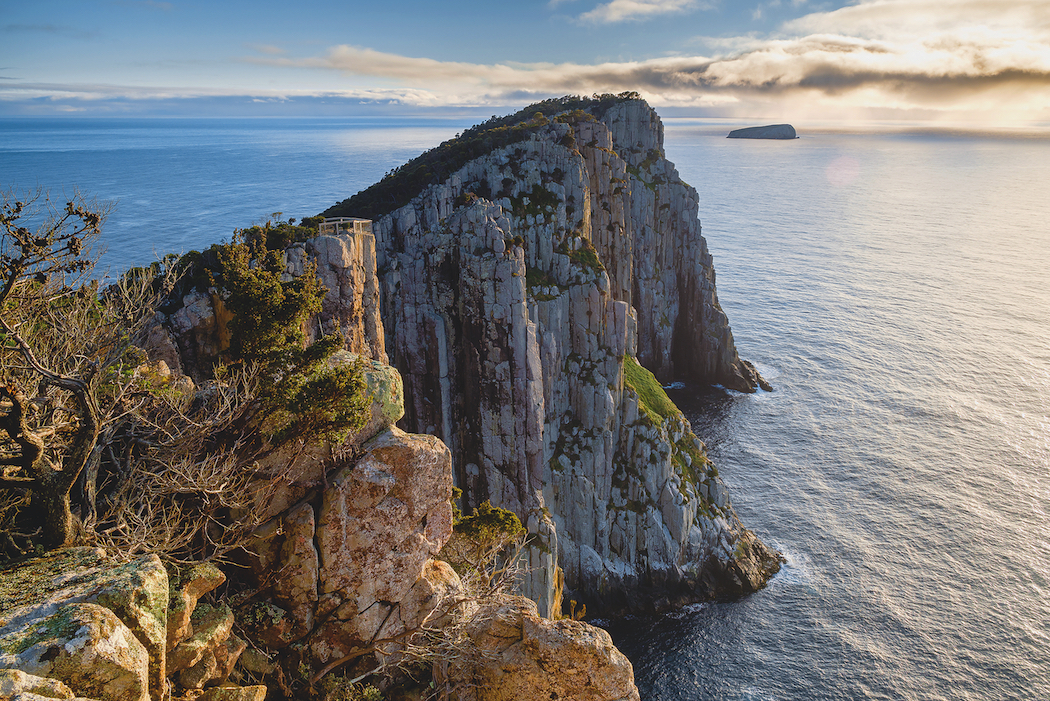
x=518 y=294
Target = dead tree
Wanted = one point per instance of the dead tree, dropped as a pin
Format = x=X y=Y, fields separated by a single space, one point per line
x=40 y=271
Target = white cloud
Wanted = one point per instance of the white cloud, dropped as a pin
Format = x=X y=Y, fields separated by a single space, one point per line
x=976 y=56
x=623 y=10
x=900 y=19
x=939 y=70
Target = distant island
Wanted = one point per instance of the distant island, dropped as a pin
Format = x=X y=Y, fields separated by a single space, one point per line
x=773 y=131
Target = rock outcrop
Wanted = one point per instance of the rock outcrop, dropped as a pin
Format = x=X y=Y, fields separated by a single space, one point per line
x=526 y=656
x=773 y=131
x=99 y=627
x=514 y=294
x=191 y=337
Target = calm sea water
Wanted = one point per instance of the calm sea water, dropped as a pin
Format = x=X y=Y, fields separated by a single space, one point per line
x=184 y=184
x=895 y=288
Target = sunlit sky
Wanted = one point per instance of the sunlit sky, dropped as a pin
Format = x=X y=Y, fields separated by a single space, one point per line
x=960 y=61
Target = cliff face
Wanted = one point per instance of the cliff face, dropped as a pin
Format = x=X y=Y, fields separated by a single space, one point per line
x=511 y=317
x=343 y=568
x=522 y=297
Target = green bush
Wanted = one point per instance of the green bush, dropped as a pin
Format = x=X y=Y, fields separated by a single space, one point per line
x=298 y=393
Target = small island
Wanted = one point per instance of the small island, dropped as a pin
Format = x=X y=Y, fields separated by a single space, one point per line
x=772 y=131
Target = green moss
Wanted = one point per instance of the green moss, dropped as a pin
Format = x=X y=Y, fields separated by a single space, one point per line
x=586 y=256
x=653 y=401
x=540 y=202
x=26 y=582
x=695 y=469
x=536 y=279
x=61 y=625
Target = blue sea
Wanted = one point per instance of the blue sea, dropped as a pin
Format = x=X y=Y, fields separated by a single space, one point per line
x=892 y=282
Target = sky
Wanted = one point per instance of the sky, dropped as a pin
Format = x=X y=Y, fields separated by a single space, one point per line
x=953 y=61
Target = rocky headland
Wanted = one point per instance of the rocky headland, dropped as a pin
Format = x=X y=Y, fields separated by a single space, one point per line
x=513 y=302
x=535 y=300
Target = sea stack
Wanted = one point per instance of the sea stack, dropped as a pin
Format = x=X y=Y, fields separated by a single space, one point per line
x=772 y=131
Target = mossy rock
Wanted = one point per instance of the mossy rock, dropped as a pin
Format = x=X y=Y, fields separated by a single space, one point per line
x=653 y=401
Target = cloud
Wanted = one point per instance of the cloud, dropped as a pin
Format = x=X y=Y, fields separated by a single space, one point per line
x=134 y=93
x=963 y=67
x=624 y=10
x=924 y=56
x=909 y=19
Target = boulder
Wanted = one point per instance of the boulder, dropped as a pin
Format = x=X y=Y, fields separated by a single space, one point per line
x=381 y=520
x=194 y=583
x=385 y=388
x=211 y=629
x=523 y=656
x=86 y=647
x=135 y=591
x=14 y=682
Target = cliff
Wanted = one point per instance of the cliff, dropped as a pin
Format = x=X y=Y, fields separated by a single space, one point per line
x=524 y=295
x=340 y=578
x=344 y=565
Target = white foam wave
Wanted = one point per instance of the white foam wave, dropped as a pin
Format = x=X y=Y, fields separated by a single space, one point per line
x=767 y=371
x=796 y=571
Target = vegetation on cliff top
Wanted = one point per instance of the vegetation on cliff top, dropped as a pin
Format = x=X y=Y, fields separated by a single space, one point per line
x=155 y=462
x=298 y=393
x=435 y=166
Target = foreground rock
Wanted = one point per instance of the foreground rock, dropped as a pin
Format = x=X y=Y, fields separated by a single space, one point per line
x=97 y=625
x=79 y=623
x=773 y=131
x=524 y=656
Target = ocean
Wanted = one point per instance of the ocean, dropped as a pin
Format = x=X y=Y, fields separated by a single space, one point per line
x=894 y=286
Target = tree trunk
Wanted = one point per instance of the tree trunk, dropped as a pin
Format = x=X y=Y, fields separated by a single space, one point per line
x=53 y=501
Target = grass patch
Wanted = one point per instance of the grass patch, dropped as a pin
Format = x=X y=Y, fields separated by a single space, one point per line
x=652 y=399
x=586 y=256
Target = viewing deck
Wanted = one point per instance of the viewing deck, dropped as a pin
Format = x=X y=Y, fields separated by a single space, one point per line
x=345 y=225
